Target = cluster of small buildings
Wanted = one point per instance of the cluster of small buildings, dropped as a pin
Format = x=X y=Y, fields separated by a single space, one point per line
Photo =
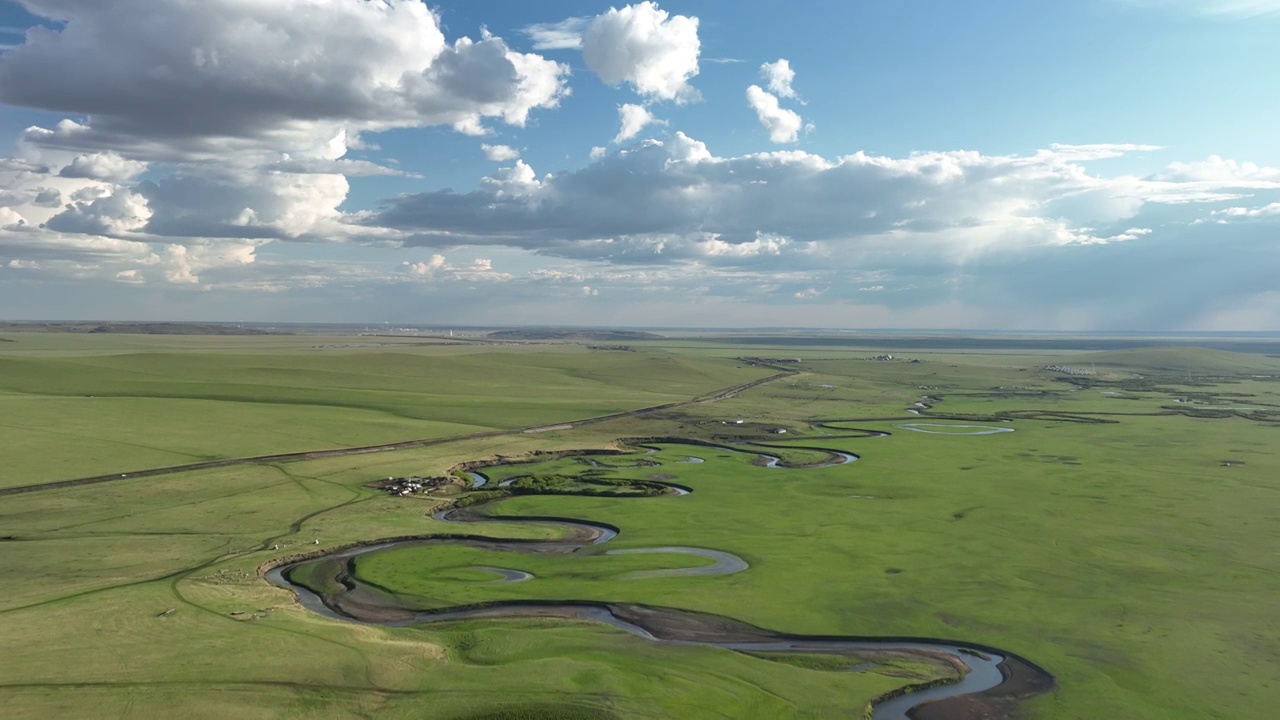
x=775 y=431
x=1067 y=370
x=412 y=485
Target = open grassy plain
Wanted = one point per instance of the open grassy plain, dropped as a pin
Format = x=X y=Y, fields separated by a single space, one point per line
x=82 y=405
x=1122 y=537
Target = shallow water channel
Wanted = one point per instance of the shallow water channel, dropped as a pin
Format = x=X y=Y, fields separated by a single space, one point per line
x=957 y=430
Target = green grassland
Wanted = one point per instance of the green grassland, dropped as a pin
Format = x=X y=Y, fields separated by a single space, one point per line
x=1119 y=581
x=69 y=414
x=1122 y=541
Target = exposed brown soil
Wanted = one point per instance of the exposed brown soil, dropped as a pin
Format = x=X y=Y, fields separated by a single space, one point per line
x=1022 y=680
x=690 y=625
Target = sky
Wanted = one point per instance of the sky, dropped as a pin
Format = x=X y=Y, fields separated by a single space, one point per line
x=1094 y=165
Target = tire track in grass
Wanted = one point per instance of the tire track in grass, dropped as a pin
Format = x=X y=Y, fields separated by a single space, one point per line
x=295 y=527
x=716 y=396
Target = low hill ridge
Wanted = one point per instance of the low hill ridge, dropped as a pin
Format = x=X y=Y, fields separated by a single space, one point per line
x=1195 y=360
x=594 y=335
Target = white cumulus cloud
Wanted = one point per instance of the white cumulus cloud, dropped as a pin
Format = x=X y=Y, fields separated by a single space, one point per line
x=123 y=211
x=186 y=79
x=633 y=119
x=779 y=76
x=10 y=217
x=500 y=153
x=103 y=166
x=1243 y=213
x=428 y=267
x=240 y=112
x=674 y=201
x=783 y=125
x=1218 y=169
x=646 y=47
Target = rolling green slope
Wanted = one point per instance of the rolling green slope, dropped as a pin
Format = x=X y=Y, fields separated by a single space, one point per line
x=73 y=416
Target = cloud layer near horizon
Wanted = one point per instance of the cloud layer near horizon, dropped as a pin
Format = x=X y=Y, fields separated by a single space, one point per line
x=665 y=200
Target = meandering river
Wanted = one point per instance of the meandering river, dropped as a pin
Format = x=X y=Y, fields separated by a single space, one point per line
x=984 y=669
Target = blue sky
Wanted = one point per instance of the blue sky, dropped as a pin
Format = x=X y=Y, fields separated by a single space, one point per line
x=1093 y=165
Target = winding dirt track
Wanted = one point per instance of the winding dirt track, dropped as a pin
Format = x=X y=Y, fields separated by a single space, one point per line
x=723 y=394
